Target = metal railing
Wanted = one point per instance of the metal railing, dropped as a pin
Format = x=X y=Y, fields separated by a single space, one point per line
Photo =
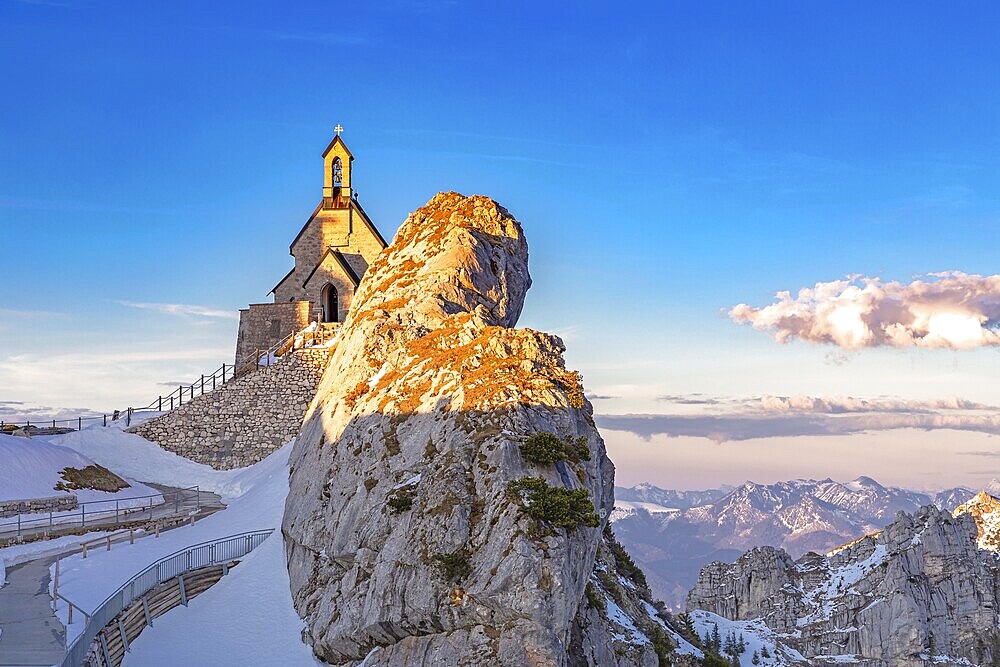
x=216 y=552
x=98 y=511
x=185 y=393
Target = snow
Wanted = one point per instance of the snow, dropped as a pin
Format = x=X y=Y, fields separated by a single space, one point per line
x=618 y=616
x=839 y=582
x=682 y=646
x=88 y=582
x=652 y=508
x=231 y=620
x=30 y=468
x=756 y=635
x=626 y=508
x=138 y=458
x=413 y=481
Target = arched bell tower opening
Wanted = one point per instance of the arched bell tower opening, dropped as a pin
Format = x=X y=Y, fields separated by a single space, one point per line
x=331 y=304
x=338 y=173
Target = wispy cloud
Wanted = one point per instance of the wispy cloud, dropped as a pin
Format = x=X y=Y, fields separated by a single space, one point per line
x=691 y=399
x=600 y=397
x=11 y=318
x=183 y=310
x=789 y=416
x=943 y=310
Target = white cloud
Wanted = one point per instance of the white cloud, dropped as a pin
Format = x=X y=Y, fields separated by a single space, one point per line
x=944 y=310
x=793 y=416
x=183 y=310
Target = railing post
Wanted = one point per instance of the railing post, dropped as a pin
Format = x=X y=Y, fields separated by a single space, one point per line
x=79 y=423
x=55 y=586
x=105 y=420
x=202 y=384
x=116 y=517
x=159 y=404
x=83 y=515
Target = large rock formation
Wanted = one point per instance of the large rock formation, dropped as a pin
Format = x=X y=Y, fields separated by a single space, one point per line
x=406 y=545
x=922 y=587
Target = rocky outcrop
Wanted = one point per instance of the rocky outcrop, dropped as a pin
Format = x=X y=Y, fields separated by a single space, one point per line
x=407 y=542
x=921 y=587
x=246 y=419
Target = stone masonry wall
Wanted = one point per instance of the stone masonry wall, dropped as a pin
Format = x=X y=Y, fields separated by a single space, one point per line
x=10 y=508
x=243 y=421
x=264 y=324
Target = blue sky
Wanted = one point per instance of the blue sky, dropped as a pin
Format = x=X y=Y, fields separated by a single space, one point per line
x=667 y=160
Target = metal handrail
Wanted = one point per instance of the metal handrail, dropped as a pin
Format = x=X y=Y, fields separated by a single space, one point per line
x=214 y=552
x=63 y=517
x=165 y=403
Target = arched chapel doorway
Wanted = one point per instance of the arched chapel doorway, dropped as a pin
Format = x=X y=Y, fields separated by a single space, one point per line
x=331 y=304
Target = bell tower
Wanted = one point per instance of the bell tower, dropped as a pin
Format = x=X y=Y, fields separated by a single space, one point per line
x=337 y=161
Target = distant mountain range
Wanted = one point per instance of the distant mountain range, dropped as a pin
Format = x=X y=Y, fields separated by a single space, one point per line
x=673 y=534
x=924 y=590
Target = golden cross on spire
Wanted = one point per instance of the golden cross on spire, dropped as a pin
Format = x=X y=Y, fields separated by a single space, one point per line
x=338 y=129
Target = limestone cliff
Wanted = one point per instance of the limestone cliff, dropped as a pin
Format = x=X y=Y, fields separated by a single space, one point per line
x=418 y=530
x=920 y=591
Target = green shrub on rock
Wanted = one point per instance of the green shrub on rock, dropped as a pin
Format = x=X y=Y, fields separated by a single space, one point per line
x=543 y=449
x=546 y=449
x=554 y=507
x=401 y=501
x=454 y=566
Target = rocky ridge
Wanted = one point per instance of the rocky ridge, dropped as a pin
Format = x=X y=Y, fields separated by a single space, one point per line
x=672 y=542
x=922 y=590
x=417 y=531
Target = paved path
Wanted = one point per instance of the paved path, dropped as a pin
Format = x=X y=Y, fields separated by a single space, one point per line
x=178 y=503
x=30 y=633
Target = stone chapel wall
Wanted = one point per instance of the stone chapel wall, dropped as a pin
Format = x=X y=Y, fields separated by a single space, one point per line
x=264 y=324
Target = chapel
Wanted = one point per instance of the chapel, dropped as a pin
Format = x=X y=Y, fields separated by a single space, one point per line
x=332 y=251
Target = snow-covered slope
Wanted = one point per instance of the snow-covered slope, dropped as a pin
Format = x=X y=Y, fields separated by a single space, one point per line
x=257 y=598
x=798 y=516
x=30 y=468
x=138 y=458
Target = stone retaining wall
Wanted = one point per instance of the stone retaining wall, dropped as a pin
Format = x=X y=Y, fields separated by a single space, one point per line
x=10 y=508
x=246 y=419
